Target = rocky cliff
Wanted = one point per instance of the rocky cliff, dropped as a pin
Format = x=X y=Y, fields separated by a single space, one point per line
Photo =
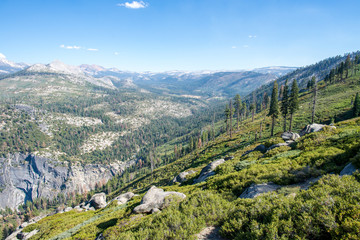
x=26 y=177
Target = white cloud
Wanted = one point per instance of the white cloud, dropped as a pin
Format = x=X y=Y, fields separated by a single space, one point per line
x=116 y=53
x=234 y=47
x=2 y=55
x=245 y=46
x=252 y=36
x=134 y=4
x=93 y=49
x=70 y=47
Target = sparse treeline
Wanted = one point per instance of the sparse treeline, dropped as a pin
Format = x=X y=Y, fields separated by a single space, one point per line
x=343 y=70
x=286 y=101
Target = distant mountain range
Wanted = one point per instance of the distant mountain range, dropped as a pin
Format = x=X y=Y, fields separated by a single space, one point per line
x=7 y=67
x=201 y=83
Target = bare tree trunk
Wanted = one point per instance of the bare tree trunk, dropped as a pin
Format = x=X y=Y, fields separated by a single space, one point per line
x=231 y=116
x=285 y=123
x=252 y=113
x=237 y=119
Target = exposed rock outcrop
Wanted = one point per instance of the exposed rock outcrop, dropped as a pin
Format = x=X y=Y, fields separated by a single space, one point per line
x=313 y=128
x=290 y=136
x=26 y=177
x=279 y=145
x=124 y=198
x=257 y=189
x=98 y=200
x=154 y=199
x=261 y=148
x=182 y=176
x=210 y=233
x=208 y=170
x=348 y=170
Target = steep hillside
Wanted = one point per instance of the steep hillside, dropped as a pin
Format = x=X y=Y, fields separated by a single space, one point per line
x=304 y=74
x=261 y=188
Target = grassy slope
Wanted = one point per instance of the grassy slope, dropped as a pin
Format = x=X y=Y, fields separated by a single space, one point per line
x=328 y=209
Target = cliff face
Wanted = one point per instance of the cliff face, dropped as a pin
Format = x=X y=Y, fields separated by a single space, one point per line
x=26 y=177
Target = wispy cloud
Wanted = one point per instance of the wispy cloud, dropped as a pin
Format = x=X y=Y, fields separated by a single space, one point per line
x=134 y=4
x=245 y=46
x=233 y=47
x=116 y=53
x=70 y=47
x=93 y=49
x=252 y=36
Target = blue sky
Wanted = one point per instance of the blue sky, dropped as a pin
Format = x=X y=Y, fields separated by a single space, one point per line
x=160 y=35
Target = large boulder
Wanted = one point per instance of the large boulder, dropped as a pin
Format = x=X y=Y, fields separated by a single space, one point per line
x=124 y=198
x=155 y=198
x=26 y=235
x=260 y=148
x=98 y=200
x=257 y=189
x=208 y=170
x=313 y=128
x=182 y=177
x=348 y=170
x=278 y=145
x=290 y=136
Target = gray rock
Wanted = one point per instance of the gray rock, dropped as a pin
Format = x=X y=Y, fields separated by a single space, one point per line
x=313 y=128
x=260 y=148
x=26 y=177
x=278 y=145
x=124 y=198
x=24 y=225
x=98 y=200
x=155 y=210
x=208 y=170
x=26 y=235
x=257 y=189
x=78 y=208
x=182 y=177
x=155 y=198
x=68 y=209
x=348 y=170
x=290 y=136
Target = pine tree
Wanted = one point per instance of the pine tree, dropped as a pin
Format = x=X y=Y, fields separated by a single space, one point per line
x=253 y=106
x=274 y=107
x=227 y=117
x=347 y=65
x=238 y=106
x=314 y=101
x=293 y=101
x=285 y=103
x=356 y=107
x=252 y=110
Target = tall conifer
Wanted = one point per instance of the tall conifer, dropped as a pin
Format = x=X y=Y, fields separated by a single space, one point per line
x=285 y=102
x=294 y=101
x=274 y=107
